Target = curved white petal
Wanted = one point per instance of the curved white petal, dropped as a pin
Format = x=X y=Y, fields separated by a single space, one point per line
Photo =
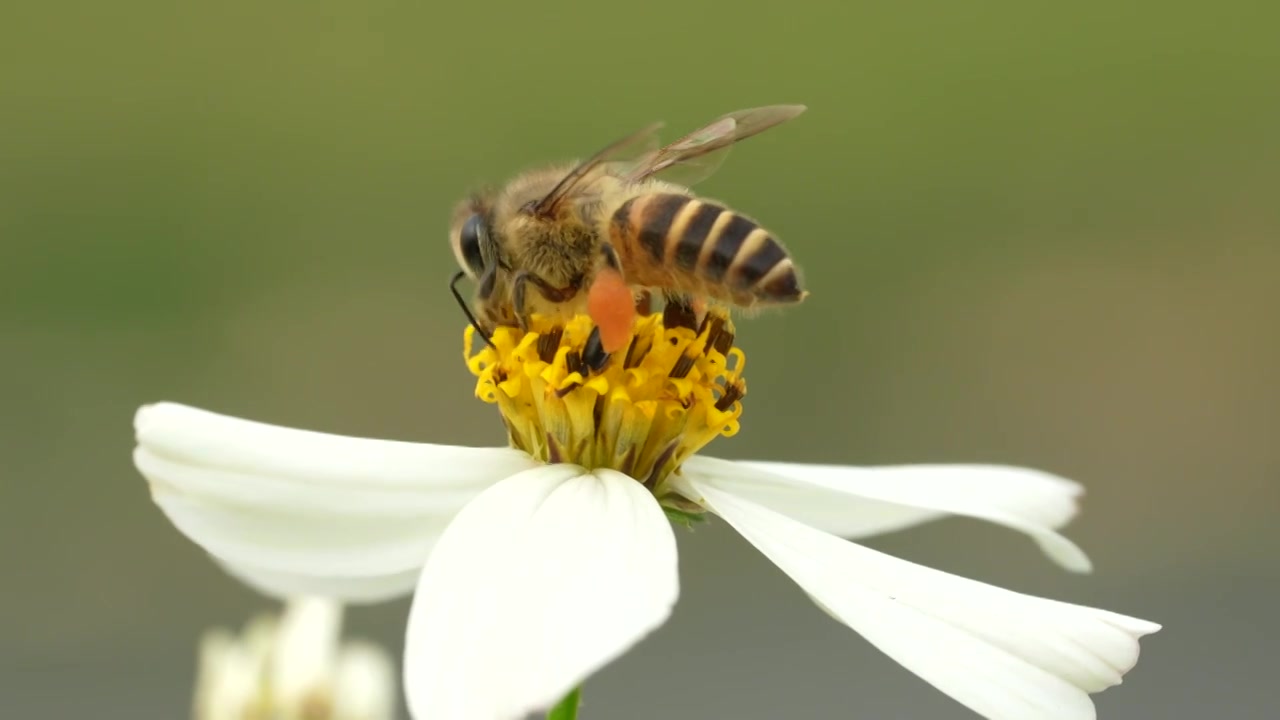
x=1003 y=654
x=300 y=512
x=543 y=579
x=858 y=502
x=355 y=589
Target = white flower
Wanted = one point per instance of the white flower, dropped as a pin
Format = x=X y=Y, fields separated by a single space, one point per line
x=293 y=668
x=528 y=576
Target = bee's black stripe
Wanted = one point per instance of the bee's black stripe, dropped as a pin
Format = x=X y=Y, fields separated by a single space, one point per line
x=727 y=244
x=656 y=216
x=620 y=223
x=695 y=234
x=749 y=271
x=783 y=287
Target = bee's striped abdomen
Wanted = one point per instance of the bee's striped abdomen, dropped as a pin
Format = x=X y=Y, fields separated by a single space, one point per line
x=701 y=222
x=735 y=257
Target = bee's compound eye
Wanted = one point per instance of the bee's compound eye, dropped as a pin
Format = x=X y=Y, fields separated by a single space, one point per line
x=469 y=244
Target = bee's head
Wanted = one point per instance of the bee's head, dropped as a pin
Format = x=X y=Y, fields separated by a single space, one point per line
x=471 y=237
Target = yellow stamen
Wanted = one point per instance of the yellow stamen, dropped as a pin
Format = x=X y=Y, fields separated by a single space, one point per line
x=650 y=408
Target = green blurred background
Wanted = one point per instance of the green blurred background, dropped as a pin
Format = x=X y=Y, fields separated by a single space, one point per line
x=1036 y=236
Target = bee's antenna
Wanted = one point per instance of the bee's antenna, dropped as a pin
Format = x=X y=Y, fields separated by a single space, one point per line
x=453 y=287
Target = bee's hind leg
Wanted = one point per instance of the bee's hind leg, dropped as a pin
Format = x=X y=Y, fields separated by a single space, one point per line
x=612 y=306
x=644 y=302
x=593 y=354
x=681 y=310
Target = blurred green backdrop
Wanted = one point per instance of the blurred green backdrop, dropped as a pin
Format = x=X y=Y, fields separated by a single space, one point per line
x=1033 y=235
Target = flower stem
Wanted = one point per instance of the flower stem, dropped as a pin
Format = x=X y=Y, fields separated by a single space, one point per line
x=567 y=709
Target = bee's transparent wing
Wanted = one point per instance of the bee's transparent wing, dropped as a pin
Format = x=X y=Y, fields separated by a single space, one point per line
x=696 y=156
x=639 y=144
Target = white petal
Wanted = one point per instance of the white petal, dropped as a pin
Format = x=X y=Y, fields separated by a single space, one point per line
x=543 y=579
x=300 y=512
x=858 y=502
x=1003 y=654
x=352 y=589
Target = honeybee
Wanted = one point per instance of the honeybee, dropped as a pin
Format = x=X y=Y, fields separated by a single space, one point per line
x=602 y=235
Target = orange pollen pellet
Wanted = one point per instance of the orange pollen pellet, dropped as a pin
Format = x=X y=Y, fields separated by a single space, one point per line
x=612 y=307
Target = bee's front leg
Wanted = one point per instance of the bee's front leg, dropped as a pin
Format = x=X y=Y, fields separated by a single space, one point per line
x=519 y=286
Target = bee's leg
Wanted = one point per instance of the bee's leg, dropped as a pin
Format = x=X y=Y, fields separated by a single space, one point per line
x=593 y=354
x=644 y=302
x=610 y=256
x=679 y=311
x=517 y=298
x=519 y=285
x=611 y=304
x=488 y=281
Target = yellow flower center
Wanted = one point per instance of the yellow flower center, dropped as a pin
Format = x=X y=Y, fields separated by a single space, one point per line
x=672 y=391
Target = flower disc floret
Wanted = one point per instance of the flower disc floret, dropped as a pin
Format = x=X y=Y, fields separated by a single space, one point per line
x=647 y=410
